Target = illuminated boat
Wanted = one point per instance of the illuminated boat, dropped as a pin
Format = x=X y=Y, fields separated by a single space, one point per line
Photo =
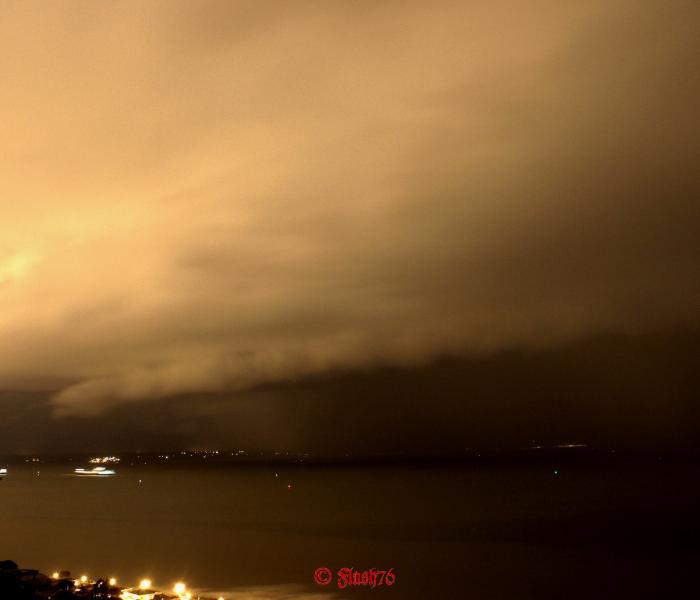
x=3 y=472
x=94 y=472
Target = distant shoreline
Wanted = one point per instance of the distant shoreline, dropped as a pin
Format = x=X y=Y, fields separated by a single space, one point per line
x=469 y=457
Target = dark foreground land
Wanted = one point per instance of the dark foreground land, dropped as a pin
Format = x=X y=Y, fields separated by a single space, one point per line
x=30 y=584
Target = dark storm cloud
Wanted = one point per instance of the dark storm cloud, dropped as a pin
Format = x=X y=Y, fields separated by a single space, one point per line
x=222 y=195
x=621 y=392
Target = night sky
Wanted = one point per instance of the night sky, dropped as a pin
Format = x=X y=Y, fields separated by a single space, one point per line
x=349 y=227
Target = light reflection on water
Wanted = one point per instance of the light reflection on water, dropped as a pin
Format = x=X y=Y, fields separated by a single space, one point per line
x=271 y=592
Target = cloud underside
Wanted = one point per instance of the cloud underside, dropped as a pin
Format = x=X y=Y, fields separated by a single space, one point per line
x=209 y=196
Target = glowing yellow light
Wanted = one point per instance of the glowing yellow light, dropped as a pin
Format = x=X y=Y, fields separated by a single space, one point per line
x=179 y=588
x=83 y=579
x=144 y=584
x=17 y=266
x=113 y=581
x=55 y=575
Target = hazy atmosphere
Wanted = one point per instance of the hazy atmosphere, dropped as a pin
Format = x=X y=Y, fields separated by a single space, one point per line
x=288 y=225
x=319 y=300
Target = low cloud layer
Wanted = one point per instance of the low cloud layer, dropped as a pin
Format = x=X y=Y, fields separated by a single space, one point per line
x=208 y=196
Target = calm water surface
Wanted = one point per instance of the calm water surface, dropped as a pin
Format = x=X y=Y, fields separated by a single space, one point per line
x=613 y=531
